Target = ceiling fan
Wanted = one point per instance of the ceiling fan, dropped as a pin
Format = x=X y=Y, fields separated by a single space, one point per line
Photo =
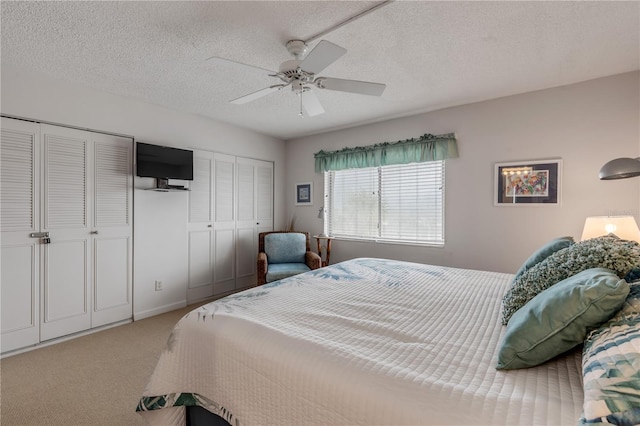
x=300 y=74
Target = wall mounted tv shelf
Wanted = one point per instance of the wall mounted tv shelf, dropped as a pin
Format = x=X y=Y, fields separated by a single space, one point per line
x=162 y=185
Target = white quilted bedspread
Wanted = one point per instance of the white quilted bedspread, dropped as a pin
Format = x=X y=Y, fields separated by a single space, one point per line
x=365 y=342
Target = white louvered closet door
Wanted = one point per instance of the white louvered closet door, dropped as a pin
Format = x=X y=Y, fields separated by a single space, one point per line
x=67 y=271
x=76 y=186
x=255 y=214
x=111 y=232
x=230 y=202
x=224 y=265
x=246 y=237
x=200 y=228
x=19 y=217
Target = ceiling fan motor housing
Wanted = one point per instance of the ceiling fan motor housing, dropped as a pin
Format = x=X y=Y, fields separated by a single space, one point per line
x=290 y=71
x=288 y=67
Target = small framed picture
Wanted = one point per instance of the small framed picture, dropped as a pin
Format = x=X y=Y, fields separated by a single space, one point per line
x=304 y=194
x=528 y=183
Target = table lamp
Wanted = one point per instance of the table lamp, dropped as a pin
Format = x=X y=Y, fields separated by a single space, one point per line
x=321 y=215
x=624 y=227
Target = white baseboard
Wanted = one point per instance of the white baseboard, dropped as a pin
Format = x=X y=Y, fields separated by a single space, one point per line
x=159 y=310
x=66 y=338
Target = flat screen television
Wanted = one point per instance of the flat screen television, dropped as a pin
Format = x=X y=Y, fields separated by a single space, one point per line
x=163 y=162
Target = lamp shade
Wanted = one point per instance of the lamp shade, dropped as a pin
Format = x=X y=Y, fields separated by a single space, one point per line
x=620 y=168
x=624 y=227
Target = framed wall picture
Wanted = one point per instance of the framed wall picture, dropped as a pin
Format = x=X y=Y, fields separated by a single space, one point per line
x=526 y=183
x=304 y=194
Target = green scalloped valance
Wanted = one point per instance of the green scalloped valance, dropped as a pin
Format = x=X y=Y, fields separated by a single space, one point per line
x=415 y=150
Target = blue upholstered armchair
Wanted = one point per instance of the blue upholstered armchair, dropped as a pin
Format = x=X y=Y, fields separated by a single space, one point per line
x=282 y=254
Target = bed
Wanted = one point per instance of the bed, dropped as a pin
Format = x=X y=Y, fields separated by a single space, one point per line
x=366 y=341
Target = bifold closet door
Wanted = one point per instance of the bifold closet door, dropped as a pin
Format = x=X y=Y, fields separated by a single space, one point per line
x=87 y=189
x=200 y=228
x=67 y=187
x=45 y=185
x=19 y=217
x=66 y=204
x=224 y=226
x=254 y=215
x=111 y=230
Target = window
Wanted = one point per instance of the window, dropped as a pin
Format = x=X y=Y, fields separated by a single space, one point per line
x=398 y=203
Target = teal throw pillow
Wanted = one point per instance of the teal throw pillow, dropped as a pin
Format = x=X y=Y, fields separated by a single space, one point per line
x=543 y=252
x=558 y=319
x=610 y=252
x=611 y=367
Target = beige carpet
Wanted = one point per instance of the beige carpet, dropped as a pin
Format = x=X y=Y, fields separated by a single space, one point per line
x=92 y=380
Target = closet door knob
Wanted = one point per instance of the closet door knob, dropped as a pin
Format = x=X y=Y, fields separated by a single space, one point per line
x=94 y=232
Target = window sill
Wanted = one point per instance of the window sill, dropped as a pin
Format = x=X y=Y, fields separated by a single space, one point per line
x=390 y=242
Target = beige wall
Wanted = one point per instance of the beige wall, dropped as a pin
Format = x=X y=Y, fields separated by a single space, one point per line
x=584 y=124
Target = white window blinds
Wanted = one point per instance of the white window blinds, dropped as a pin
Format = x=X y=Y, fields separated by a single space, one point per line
x=398 y=203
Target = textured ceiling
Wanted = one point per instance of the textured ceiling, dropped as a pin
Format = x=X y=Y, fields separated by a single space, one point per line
x=431 y=55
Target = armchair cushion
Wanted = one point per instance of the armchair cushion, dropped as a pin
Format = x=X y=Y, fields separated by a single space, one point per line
x=278 y=271
x=285 y=248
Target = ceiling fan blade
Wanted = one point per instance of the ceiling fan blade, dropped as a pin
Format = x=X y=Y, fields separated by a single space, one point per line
x=256 y=95
x=353 y=86
x=324 y=54
x=311 y=104
x=215 y=59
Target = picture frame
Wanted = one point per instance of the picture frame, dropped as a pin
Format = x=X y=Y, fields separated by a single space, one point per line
x=304 y=194
x=528 y=183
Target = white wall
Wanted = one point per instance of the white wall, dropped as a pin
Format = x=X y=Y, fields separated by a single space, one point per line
x=585 y=124
x=160 y=219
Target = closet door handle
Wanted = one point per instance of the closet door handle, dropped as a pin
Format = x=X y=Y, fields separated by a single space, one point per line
x=39 y=235
x=94 y=232
x=44 y=237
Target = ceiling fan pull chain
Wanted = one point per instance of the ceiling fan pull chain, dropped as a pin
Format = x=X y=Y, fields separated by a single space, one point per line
x=300 y=114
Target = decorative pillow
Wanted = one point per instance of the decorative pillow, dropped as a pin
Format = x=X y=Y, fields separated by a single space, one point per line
x=610 y=252
x=611 y=367
x=543 y=252
x=632 y=276
x=559 y=318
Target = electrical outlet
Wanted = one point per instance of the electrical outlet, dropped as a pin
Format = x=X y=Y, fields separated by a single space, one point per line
x=158 y=285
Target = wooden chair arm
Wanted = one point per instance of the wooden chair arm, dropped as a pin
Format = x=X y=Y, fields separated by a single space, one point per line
x=262 y=268
x=313 y=260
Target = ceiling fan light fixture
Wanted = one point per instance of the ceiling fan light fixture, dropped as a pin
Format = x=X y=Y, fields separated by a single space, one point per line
x=297 y=86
